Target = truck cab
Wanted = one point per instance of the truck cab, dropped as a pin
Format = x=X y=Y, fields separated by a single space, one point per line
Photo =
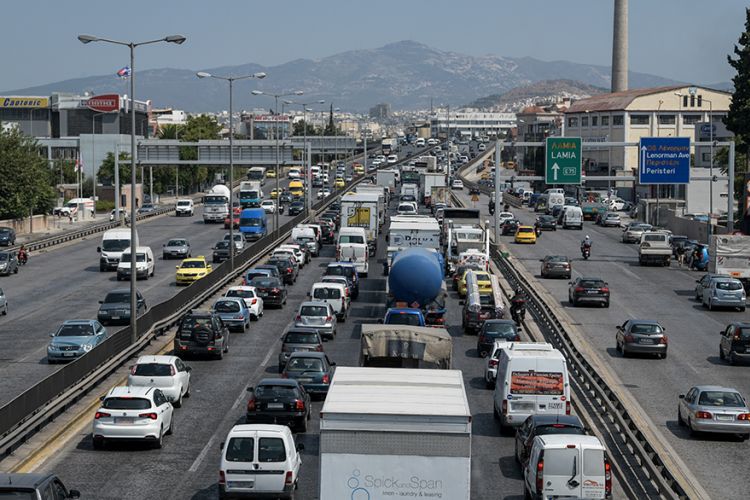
x=404 y=316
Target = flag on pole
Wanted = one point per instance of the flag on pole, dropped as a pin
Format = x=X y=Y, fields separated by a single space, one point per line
x=124 y=72
x=79 y=165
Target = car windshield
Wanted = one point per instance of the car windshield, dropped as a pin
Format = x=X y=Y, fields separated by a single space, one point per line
x=117 y=298
x=227 y=306
x=75 y=331
x=176 y=243
x=250 y=222
x=193 y=264
x=222 y=245
x=645 y=328
x=126 y=403
x=183 y=203
x=264 y=282
x=275 y=391
x=728 y=285
x=721 y=398
x=115 y=245
x=153 y=370
x=403 y=318
x=4 y=231
x=304 y=365
x=241 y=449
x=313 y=311
x=4 y=257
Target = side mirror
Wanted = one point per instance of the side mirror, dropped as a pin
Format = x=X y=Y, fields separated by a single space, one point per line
x=721 y=332
x=300 y=446
x=101 y=302
x=333 y=363
x=99 y=249
x=681 y=396
x=52 y=334
x=164 y=245
x=176 y=267
x=74 y=494
x=101 y=398
x=222 y=445
x=250 y=388
x=188 y=368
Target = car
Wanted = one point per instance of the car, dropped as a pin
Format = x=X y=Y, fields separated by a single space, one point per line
x=184 y=207
x=298 y=339
x=610 y=219
x=31 y=486
x=503 y=216
x=347 y=270
x=640 y=336
x=192 y=269
x=201 y=332
x=74 y=338
x=220 y=251
x=348 y=178
x=714 y=409
x=133 y=413
x=269 y=206
x=493 y=330
x=542 y=424
x=288 y=268
x=339 y=183
x=294 y=174
x=509 y=226
x=147 y=208
x=3 y=303
x=253 y=272
x=123 y=214
x=493 y=359
x=270 y=173
x=558 y=266
x=704 y=282
x=239 y=241
x=115 y=308
x=735 y=342
x=525 y=234
x=176 y=248
x=279 y=401
x=633 y=231
x=8 y=262
x=233 y=312
x=587 y=290
x=271 y=289
x=482 y=278
x=724 y=292
x=288 y=253
x=296 y=208
x=457 y=184
x=166 y=373
x=236 y=211
x=318 y=315
x=403 y=316
x=546 y=223
x=313 y=370
x=324 y=193
x=275 y=194
x=252 y=300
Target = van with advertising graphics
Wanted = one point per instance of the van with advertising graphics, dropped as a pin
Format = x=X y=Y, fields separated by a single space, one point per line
x=114 y=243
x=532 y=378
x=567 y=466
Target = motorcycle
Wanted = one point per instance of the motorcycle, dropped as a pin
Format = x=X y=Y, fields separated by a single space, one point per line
x=586 y=252
x=23 y=258
x=518 y=311
x=537 y=230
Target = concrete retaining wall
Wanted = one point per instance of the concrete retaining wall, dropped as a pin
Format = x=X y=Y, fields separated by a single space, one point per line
x=694 y=230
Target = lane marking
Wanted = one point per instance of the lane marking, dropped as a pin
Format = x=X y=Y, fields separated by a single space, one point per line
x=627 y=271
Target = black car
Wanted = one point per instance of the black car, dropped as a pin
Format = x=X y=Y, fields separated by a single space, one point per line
x=474 y=191
x=542 y=424
x=296 y=208
x=347 y=270
x=285 y=197
x=334 y=216
x=510 y=226
x=288 y=269
x=115 y=308
x=329 y=230
x=588 y=290
x=201 y=332
x=735 y=342
x=7 y=236
x=271 y=290
x=279 y=401
x=546 y=223
x=220 y=251
x=496 y=329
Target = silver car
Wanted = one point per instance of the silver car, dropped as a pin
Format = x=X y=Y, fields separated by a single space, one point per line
x=724 y=292
x=8 y=262
x=318 y=315
x=3 y=302
x=632 y=233
x=715 y=409
x=74 y=338
x=176 y=248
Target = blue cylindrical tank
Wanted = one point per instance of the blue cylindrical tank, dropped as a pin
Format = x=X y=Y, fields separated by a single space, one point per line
x=415 y=276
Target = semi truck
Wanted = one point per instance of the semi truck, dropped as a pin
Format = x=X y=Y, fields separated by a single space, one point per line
x=730 y=255
x=393 y=433
x=389 y=146
x=361 y=210
x=216 y=204
x=387 y=179
x=251 y=194
x=415 y=280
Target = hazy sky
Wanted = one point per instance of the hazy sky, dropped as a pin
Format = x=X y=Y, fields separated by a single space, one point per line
x=686 y=40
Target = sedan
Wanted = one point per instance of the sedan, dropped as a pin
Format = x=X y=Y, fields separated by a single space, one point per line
x=271 y=289
x=632 y=233
x=133 y=413
x=546 y=223
x=74 y=338
x=253 y=302
x=540 y=425
x=296 y=208
x=167 y=373
x=176 y=248
x=233 y=312
x=318 y=315
x=494 y=330
x=279 y=401
x=311 y=369
x=588 y=290
x=610 y=219
x=715 y=409
x=640 y=336
x=115 y=308
x=724 y=292
x=556 y=266
x=268 y=206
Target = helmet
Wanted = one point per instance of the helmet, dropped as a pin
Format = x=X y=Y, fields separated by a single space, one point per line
x=587 y=237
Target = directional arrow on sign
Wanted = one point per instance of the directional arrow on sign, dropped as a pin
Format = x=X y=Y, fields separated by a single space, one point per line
x=643 y=159
x=555 y=168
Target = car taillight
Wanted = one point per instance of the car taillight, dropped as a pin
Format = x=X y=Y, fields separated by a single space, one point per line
x=540 y=475
x=289 y=270
x=743 y=416
x=329 y=318
x=607 y=478
x=253 y=302
x=275 y=290
x=101 y=414
x=567 y=407
x=517 y=338
x=133 y=369
x=505 y=406
x=326 y=379
x=629 y=338
x=703 y=415
x=319 y=348
x=284 y=375
x=152 y=416
x=172 y=371
x=251 y=404
x=605 y=290
x=288 y=479
x=567 y=266
x=664 y=340
x=579 y=289
x=299 y=405
x=347 y=291
x=298 y=318
x=493 y=363
x=222 y=477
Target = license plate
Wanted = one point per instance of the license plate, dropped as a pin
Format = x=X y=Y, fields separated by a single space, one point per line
x=646 y=341
x=725 y=417
x=240 y=484
x=592 y=292
x=263 y=294
x=275 y=406
x=557 y=405
x=124 y=420
x=302 y=380
x=69 y=354
x=115 y=317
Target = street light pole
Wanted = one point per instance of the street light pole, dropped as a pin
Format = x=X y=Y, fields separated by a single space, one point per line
x=306 y=154
x=178 y=39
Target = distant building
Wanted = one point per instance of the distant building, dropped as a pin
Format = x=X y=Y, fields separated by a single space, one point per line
x=535 y=124
x=380 y=111
x=167 y=116
x=264 y=126
x=470 y=124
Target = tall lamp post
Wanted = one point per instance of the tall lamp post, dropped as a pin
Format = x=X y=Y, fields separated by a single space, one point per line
x=179 y=40
x=276 y=96
x=231 y=80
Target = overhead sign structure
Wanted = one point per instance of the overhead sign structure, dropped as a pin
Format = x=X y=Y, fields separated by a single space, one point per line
x=563 y=160
x=106 y=103
x=664 y=160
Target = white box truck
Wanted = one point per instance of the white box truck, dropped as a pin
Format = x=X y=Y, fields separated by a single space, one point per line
x=387 y=179
x=361 y=210
x=395 y=433
x=730 y=255
x=427 y=181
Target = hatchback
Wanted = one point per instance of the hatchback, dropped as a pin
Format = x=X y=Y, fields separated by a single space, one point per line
x=735 y=342
x=703 y=283
x=271 y=289
x=640 y=336
x=588 y=290
x=297 y=339
x=176 y=248
x=318 y=315
x=279 y=401
x=166 y=373
x=31 y=486
x=557 y=266
x=133 y=413
x=493 y=330
x=311 y=369
x=724 y=292
x=541 y=424
x=233 y=312
x=8 y=263
x=74 y=338
x=710 y=408
x=253 y=302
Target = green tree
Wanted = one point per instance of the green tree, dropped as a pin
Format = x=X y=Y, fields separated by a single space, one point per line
x=26 y=181
x=738 y=118
x=299 y=129
x=330 y=129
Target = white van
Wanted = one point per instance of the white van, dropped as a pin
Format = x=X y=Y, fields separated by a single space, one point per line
x=532 y=378
x=555 y=191
x=351 y=246
x=144 y=264
x=555 y=199
x=334 y=294
x=114 y=242
x=572 y=217
x=567 y=466
x=419 y=142
x=259 y=459
x=184 y=207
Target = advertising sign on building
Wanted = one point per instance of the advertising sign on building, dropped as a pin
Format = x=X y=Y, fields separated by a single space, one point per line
x=106 y=103
x=24 y=102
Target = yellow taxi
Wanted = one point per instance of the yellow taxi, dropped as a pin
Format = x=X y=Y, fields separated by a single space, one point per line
x=339 y=183
x=192 y=269
x=296 y=188
x=525 y=234
x=483 y=281
x=274 y=194
x=271 y=173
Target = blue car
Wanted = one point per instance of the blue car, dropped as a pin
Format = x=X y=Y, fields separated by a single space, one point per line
x=404 y=316
x=233 y=312
x=75 y=338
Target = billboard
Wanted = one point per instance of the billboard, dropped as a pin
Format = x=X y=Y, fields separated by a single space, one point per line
x=106 y=103
x=24 y=102
x=533 y=382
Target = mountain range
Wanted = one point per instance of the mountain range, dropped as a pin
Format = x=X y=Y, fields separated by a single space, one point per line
x=405 y=74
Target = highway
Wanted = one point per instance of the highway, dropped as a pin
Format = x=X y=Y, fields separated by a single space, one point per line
x=663 y=294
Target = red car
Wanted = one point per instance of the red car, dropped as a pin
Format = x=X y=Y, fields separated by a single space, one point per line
x=236 y=211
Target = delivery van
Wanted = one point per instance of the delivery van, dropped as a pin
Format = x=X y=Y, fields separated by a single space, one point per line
x=296 y=188
x=114 y=242
x=571 y=217
x=352 y=247
x=144 y=264
x=532 y=378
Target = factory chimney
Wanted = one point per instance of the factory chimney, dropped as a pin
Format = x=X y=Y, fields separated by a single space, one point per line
x=620 y=47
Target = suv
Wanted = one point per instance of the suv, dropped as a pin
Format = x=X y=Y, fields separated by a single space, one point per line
x=44 y=486
x=735 y=342
x=655 y=247
x=201 y=332
x=298 y=339
x=7 y=236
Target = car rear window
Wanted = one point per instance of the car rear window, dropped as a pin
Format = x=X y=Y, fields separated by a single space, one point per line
x=153 y=370
x=275 y=391
x=244 y=294
x=271 y=450
x=498 y=330
x=557 y=258
x=591 y=284
x=326 y=293
x=241 y=449
x=301 y=338
x=728 y=285
x=304 y=364
x=227 y=306
x=403 y=319
x=559 y=462
x=123 y=403
x=193 y=323
x=654 y=237
x=313 y=311
x=525 y=229
x=721 y=398
x=645 y=329
x=264 y=282
x=558 y=429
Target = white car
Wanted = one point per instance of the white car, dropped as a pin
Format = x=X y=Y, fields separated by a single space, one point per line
x=490 y=365
x=184 y=207
x=616 y=204
x=294 y=174
x=123 y=214
x=392 y=159
x=239 y=240
x=457 y=184
x=166 y=373
x=380 y=158
x=406 y=208
x=269 y=206
x=503 y=216
x=298 y=253
x=251 y=298
x=324 y=176
x=324 y=193
x=133 y=413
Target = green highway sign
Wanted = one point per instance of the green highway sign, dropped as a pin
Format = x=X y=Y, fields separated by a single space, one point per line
x=563 y=165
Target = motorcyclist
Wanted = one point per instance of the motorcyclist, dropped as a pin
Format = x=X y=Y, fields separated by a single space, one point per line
x=517 y=303
x=23 y=255
x=586 y=243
